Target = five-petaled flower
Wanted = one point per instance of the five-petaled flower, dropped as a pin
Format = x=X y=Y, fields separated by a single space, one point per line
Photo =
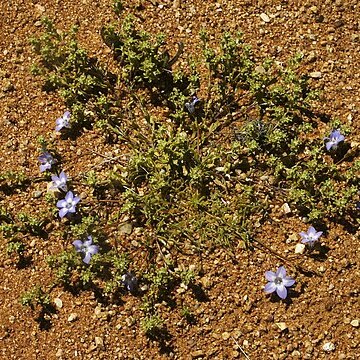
x=46 y=160
x=59 y=182
x=86 y=248
x=63 y=122
x=190 y=106
x=334 y=139
x=67 y=205
x=310 y=236
x=278 y=282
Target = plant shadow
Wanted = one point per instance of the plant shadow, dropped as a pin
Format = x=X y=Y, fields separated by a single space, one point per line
x=44 y=317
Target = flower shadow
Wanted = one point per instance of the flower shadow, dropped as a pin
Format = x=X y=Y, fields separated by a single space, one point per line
x=319 y=253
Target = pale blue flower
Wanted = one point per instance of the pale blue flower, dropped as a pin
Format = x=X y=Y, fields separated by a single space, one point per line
x=63 y=122
x=86 y=248
x=130 y=281
x=46 y=160
x=334 y=139
x=278 y=282
x=190 y=106
x=59 y=182
x=310 y=236
x=67 y=205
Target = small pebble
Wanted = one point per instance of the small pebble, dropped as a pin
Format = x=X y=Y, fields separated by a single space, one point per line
x=40 y=8
x=264 y=17
x=329 y=346
x=292 y=237
x=72 y=317
x=354 y=323
x=58 y=303
x=299 y=248
x=126 y=229
x=59 y=353
x=281 y=325
x=259 y=69
x=315 y=74
x=99 y=342
x=37 y=194
x=197 y=354
x=286 y=208
x=225 y=335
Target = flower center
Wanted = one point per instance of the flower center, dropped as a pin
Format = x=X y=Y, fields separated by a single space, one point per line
x=278 y=281
x=69 y=205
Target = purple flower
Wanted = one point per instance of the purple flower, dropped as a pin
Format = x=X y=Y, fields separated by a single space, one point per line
x=68 y=204
x=311 y=236
x=278 y=281
x=63 y=122
x=130 y=281
x=46 y=161
x=86 y=248
x=334 y=139
x=190 y=106
x=59 y=182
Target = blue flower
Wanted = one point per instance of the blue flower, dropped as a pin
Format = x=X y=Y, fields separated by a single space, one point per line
x=59 y=182
x=278 y=282
x=86 y=248
x=63 y=122
x=46 y=160
x=190 y=106
x=67 y=205
x=130 y=281
x=334 y=139
x=311 y=236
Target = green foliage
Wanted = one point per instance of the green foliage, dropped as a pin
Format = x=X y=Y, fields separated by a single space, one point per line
x=161 y=280
x=31 y=224
x=22 y=223
x=15 y=247
x=187 y=314
x=118 y=265
x=118 y=7
x=35 y=296
x=190 y=180
x=140 y=55
x=68 y=66
x=64 y=265
x=230 y=65
x=152 y=326
x=88 y=225
x=12 y=179
x=105 y=270
x=68 y=69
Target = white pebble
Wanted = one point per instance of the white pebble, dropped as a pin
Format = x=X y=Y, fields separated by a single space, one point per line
x=72 y=317
x=329 y=346
x=299 y=248
x=264 y=17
